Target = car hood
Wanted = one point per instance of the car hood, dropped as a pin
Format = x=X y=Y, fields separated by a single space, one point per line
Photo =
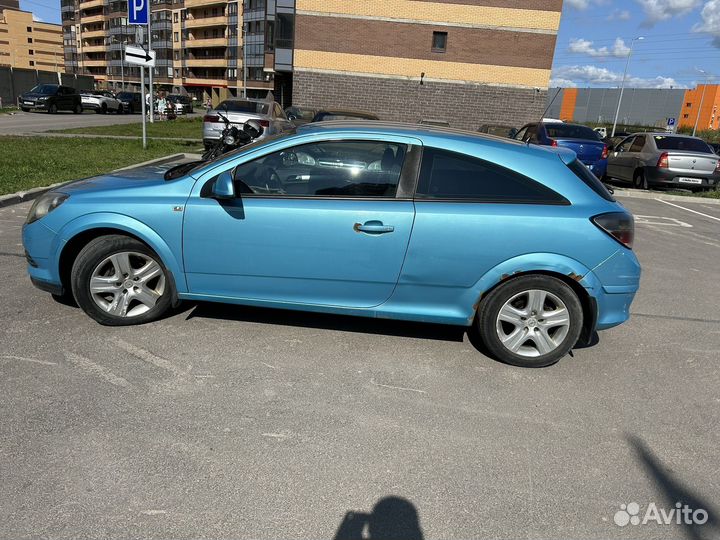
x=34 y=95
x=145 y=176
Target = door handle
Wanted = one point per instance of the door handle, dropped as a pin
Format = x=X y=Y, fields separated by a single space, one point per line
x=373 y=227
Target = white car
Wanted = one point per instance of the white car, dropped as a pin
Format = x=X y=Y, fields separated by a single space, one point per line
x=100 y=101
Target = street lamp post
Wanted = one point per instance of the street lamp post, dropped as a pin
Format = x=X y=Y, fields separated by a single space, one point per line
x=702 y=98
x=622 y=86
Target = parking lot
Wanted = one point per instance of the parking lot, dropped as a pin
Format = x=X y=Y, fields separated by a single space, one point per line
x=229 y=422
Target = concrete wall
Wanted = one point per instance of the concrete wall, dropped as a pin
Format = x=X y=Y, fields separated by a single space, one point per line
x=14 y=82
x=464 y=106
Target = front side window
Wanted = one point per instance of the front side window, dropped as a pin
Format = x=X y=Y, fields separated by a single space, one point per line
x=325 y=169
x=624 y=146
x=452 y=176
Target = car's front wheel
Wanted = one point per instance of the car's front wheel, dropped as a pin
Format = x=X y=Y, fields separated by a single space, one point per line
x=119 y=281
x=52 y=109
x=530 y=321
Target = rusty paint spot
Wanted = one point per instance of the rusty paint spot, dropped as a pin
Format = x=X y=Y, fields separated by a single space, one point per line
x=576 y=277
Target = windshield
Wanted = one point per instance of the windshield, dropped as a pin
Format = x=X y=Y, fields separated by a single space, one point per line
x=45 y=89
x=254 y=107
x=571 y=131
x=238 y=151
x=682 y=143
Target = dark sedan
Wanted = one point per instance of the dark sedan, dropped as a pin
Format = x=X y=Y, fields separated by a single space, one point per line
x=51 y=98
x=131 y=101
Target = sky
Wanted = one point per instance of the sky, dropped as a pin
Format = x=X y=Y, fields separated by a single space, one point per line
x=680 y=38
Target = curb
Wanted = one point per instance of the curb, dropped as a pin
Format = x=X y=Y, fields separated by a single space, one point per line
x=658 y=195
x=34 y=193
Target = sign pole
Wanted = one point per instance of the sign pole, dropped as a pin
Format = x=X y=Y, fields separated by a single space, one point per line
x=151 y=69
x=142 y=107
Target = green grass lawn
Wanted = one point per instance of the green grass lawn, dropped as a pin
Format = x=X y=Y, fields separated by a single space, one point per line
x=42 y=161
x=187 y=128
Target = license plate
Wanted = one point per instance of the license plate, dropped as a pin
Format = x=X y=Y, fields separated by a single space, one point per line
x=28 y=102
x=690 y=180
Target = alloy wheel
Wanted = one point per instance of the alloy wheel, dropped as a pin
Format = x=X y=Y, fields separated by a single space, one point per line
x=533 y=323
x=127 y=284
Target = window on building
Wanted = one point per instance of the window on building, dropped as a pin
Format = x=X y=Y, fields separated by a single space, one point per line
x=176 y=17
x=29 y=40
x=449 y=175
x=232 y=73
x=686 y=116
x=688 y=104
x=29 y=28
x=439 y=41
x=32 y=63
x=232 y=9
x=31 y=52
x=176 y=37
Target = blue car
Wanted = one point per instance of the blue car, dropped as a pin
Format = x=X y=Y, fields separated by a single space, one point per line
x=585 y=142
x=360 y=218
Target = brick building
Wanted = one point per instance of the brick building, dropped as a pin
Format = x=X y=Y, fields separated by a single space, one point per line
x=26 y=43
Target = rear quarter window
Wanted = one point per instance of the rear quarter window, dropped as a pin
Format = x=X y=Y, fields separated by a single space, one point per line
x=448 y=175
x=590 y=180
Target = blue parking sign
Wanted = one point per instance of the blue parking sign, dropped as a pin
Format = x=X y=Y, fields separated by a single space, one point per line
x=671 y=122
x=138 y=11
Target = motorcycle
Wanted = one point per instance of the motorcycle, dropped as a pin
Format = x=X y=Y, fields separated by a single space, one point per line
x=232 y=137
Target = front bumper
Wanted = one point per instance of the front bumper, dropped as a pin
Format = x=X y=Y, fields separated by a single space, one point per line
x=40 y=105
x=667 y=177
x=38 y=240
x=89 y=106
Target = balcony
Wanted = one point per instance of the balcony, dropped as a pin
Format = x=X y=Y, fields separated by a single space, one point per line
x=92 y=4
x=204 y=43
x=67 y=9
x=93 y=18
x=93 y=34
x=206 y=62
x=202 y=81
x=198 y=3
x=94 y=48
x=206 y=21
x=94 y=63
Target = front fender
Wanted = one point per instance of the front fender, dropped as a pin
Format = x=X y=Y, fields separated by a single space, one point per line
x=120 y=222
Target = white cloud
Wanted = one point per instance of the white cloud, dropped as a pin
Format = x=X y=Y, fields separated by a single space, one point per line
x=710 y=16
x=583 y=46
x=662 y=10
x=37 y=19
x=619 y=15
x=578 y=4
x=588 y=74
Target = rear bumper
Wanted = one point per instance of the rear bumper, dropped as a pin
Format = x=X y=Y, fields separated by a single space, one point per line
x=670 y=178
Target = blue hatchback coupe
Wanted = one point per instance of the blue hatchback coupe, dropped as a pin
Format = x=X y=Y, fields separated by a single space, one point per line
x=360 y=218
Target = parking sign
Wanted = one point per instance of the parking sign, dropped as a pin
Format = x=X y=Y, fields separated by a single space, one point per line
x=138 y=11
x=670 y=122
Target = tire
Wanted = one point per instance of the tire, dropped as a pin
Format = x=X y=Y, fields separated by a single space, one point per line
x=52 y=109
x=78 y=109
x=119 y=110
x=24 y=109
x=145 y=291
x=529 y=340
x=103 y=108
x=640 y=181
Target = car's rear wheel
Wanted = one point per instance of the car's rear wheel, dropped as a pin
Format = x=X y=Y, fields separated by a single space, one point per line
x=77 y=109
x=103 y=108
x=119 y=281
x=52 y=109
x=530 y=321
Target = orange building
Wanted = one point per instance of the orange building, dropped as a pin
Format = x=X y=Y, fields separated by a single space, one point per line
x=710 y=111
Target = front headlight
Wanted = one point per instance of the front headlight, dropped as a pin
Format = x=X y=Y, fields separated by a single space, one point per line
x=229 y=140
x=45 y=204
x=43 y=98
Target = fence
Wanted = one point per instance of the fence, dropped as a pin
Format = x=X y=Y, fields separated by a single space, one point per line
x=15 y=81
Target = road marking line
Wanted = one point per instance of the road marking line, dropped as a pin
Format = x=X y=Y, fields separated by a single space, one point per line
x=147 y=356
x=43 y=362
x=671 y=222
x=96 y=369
x=689 y=210
x=398 y=387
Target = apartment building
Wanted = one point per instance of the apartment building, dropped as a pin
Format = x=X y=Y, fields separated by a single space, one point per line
x=26 y=43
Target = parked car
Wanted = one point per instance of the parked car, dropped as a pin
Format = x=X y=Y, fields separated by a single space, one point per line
x=584 y=141
x=300 y=115
x=268 y=113
x=664 y=159
x=498 y=130
x=182 y=104
x=51 y=98
x=337 y=114
x=370 y=219
x=131 y=101
x=602 y=131
x=437 y=122
x=100 y=101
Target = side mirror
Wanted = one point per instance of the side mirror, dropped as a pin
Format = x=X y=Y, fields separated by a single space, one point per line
x=512 y=133
x=224 y=187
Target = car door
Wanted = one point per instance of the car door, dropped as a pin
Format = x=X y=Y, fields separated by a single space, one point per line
x=313 y=222
x=65 y=98
x=618 y=160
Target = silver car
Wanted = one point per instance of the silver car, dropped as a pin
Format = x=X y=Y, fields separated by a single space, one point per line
x=664 y=159
x=268 y=113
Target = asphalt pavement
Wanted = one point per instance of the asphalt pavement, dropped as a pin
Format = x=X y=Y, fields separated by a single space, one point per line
x=234 y=422
x=22 y=123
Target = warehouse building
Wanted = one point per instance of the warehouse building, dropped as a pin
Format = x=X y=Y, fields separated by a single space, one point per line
x=640 y=106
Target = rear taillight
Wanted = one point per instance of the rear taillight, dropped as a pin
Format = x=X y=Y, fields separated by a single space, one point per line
x=604 y=152
x=663 y=161
x=211 y=118
x=619 y=225
x=553 y=142
x=717 y=167
x=264 y=123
